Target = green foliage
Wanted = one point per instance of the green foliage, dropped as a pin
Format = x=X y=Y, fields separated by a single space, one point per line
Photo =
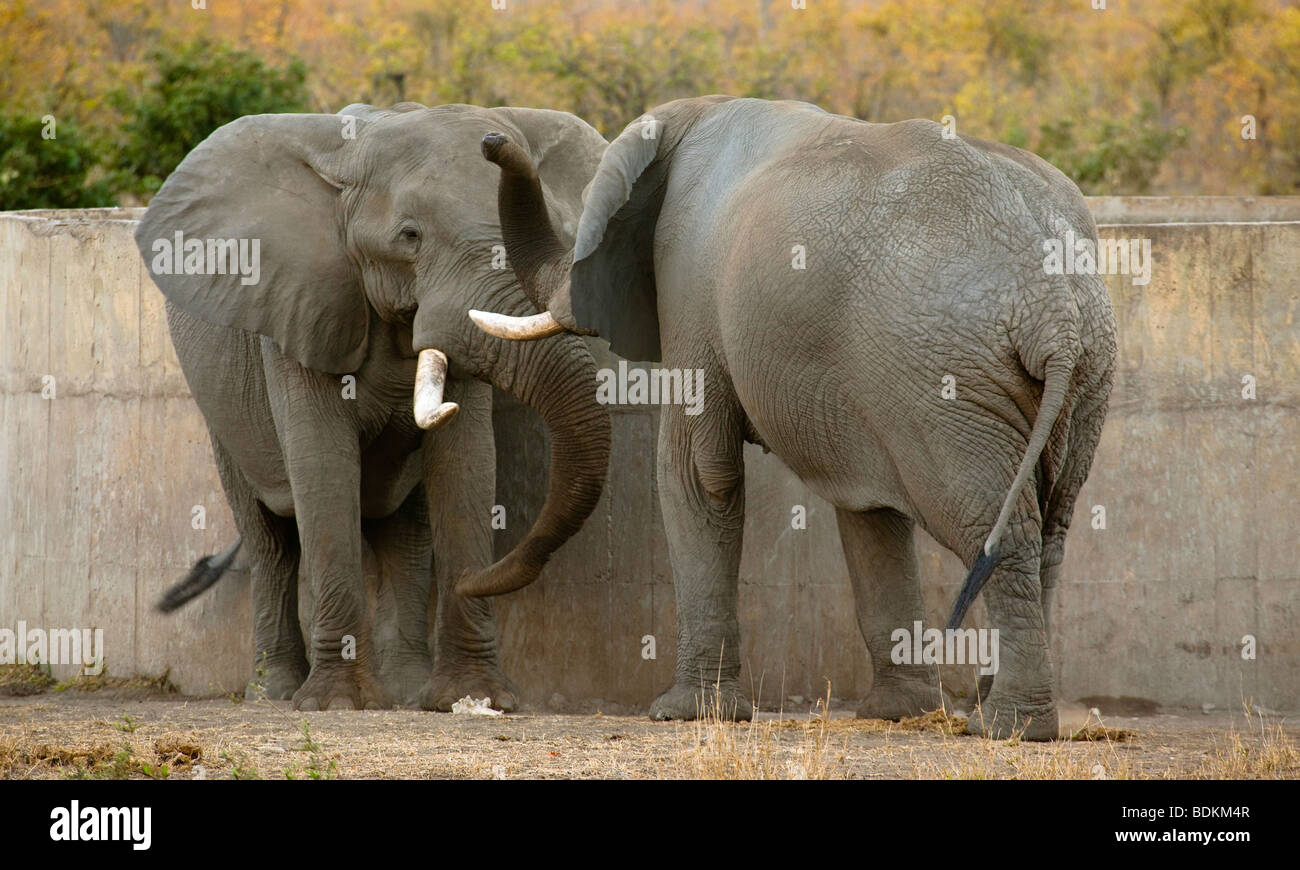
x=316 y=766
x=155 y=771
x=1007 y=70
x=193 y=90
x=37 y=172
x=238 y=769
x=1110 y=156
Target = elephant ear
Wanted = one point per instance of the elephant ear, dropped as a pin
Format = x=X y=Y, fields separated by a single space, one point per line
x=612 y=283
x=566 y=151
x=271 y=183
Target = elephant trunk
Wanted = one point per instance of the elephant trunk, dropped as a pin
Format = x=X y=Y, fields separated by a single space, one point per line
x=536 y=253
x=540 y=260
x=557 y=378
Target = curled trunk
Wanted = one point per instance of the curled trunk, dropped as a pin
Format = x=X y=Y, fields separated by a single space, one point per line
x=557 y=378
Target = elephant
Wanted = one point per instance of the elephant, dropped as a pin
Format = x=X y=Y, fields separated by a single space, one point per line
x=345 y=395
x=871 y=303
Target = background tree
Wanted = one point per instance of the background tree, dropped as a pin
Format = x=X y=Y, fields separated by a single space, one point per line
x=38 y=172
x=1144 y=96
x=192 y=91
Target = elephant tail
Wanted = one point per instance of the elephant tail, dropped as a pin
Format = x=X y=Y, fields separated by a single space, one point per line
x=206 y=571
x=1056 y=380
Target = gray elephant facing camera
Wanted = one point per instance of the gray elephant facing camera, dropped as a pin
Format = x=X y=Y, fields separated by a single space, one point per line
x=831 y=277
x=364 y=238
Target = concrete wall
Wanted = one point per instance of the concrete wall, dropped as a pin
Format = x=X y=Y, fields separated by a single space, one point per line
x=1200 y=488
x=97 y=484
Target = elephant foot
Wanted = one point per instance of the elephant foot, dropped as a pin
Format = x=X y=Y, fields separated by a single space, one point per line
x=340 y=687
x=1001 y=719
x=405 y=678
x=276 y=680
x=449 y=683
x=683 y=701
x=898 y=699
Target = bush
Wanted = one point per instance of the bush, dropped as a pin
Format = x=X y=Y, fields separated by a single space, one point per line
x=36 y=172
x=194 y=90
x=1112 y=156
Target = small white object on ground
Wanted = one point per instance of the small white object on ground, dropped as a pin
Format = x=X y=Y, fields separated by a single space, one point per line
x=472 y=707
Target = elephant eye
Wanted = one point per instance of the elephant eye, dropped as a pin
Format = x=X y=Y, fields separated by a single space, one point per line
x=410 y=234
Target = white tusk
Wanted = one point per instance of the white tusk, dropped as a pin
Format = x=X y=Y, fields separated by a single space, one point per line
x=516 y=328
x=430 y=376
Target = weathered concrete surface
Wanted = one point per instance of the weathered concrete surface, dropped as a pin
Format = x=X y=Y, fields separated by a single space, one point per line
x=1201 y=484
x=1199 y=487
x=1193 y=209
x=97 y=484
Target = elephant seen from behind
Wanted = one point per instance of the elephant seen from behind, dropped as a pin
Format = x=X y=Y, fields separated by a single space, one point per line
x=871 y=303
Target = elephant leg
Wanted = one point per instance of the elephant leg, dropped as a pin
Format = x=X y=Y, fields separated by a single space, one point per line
x=1021 y=700
x=1050 y=573
x=271 y=548
x=1050 y=570
x=403 y=546
x=322 y=455
x=701 y=475
x=882 y=564
x=460 y=475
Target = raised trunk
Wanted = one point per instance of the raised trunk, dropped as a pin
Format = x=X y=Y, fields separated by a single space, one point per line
x=539 y=259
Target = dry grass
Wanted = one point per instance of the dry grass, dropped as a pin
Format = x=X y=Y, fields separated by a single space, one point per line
x=72 y=734
x=125 y=687
x=178 y=749
x=760 y=749
x=129 y=759
x=818 y=748
x=1013 y=759
x=1098 y=733
x=1262 y=751
x=16 y=754
x=19 y=681
x=795 y=748
x=938 y=722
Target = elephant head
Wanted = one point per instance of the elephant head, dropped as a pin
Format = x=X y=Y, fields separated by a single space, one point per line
x=389 y=214
x=606 y=286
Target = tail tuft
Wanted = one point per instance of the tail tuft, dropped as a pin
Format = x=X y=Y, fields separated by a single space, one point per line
x=975 y=580
x=1059 y=371
x=204 y=574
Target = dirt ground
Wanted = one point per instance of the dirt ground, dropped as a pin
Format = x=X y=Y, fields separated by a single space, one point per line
x=141 y=733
